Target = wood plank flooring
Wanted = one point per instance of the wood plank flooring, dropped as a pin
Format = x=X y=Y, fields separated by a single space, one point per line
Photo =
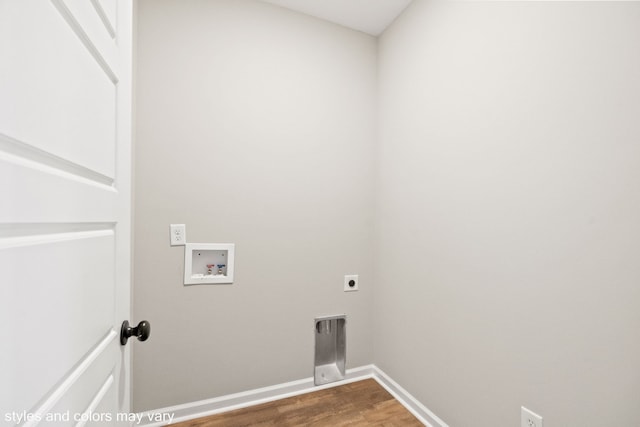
x=362 y=403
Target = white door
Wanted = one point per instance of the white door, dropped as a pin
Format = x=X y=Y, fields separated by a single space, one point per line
x=65 y=84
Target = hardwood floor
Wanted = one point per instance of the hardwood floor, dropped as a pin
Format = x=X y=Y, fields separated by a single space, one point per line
x=363 y=403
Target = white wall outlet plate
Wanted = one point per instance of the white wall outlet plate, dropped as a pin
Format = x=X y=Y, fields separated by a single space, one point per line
x=529 y=418
x=178 y=234
x=351 y=282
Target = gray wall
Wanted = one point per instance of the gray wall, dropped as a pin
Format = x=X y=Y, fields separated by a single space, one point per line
x=506 y=200
x=255 y=125
x=507 y=267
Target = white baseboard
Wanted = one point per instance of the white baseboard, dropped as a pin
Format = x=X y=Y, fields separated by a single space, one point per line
x=203 y=408
x=413 y=405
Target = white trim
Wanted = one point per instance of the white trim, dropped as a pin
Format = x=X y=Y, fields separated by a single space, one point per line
x=105 y=19
x=86 y=415
x=203 y=408
x=85 y=39
x=59 y=392
x=28 y=156
x=44 y=239
x=413 y=405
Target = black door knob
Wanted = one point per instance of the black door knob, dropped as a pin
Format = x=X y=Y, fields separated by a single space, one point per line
x=142 y=331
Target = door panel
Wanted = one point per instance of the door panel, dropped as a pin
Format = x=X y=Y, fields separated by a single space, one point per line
x=55 y=95
x=88 y=391
x=65 y=165
x=53 y=193
x=72 y=272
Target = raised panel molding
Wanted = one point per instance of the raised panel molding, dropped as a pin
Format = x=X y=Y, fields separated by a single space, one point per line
x=72 y=12
x=108 y=25
x=59 y=392
x=36 y=156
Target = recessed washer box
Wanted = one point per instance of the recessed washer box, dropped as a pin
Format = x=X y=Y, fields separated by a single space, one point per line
x=208 y=263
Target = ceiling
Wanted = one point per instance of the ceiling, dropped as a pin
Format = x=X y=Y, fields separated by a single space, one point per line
x=369 y=16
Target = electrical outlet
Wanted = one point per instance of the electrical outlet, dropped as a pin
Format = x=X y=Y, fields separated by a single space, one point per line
x=529 y=419
x=351 y=283
x=178 y=235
